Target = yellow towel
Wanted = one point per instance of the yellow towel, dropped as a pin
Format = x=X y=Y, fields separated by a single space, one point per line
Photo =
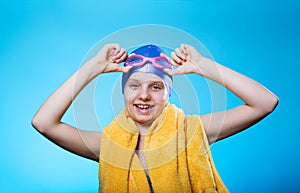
x=175 y=149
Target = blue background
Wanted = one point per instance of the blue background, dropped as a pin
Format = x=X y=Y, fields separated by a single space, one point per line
x=43 y=42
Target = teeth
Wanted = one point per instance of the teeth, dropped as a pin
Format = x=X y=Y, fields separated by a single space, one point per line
x=143 y=106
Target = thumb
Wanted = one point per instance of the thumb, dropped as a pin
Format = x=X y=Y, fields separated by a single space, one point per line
x=172 y=72
x=124 y=68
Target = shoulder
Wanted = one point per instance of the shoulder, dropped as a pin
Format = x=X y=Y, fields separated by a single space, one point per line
x=194 y=124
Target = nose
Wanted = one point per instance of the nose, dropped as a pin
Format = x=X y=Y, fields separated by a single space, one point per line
x=144 y=94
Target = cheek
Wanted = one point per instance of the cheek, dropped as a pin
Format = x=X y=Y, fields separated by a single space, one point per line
x=161 y=98
x=129 y=97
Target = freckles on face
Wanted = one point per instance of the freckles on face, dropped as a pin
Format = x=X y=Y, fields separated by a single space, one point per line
x=145 y=97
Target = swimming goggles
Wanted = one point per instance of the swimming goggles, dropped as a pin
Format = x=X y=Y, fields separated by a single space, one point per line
x=139 y=60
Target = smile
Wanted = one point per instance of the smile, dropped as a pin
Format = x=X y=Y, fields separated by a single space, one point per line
x=142 y=106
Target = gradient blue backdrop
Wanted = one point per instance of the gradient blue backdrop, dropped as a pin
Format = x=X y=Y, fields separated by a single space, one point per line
x=43 y=42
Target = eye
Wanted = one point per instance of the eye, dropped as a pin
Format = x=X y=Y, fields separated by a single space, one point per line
x=156 y=87
x=133 y=86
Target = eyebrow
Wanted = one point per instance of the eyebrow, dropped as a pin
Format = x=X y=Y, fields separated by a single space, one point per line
x=152 y=81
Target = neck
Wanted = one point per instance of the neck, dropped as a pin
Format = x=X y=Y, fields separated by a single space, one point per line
x=143 y=128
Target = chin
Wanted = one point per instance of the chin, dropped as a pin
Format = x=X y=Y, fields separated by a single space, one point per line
x=143 y=121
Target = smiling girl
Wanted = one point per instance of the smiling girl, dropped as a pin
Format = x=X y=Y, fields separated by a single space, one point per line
x=152 y=146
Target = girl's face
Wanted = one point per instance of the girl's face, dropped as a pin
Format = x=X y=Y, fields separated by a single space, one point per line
x=145 y=97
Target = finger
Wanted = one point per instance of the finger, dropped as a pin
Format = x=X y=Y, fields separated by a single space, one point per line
x=120 y=55
x=124 y=56
x=177 y=61
x=115 y=46
x=184 y=48
x=173 y=63
x=180 y=53
x=121 y=59
x=165 y=56
x=115 y=50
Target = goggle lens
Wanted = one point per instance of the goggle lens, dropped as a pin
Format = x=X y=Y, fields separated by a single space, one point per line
x=139 y=60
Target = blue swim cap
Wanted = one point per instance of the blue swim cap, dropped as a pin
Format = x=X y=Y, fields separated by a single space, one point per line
x=149 y=51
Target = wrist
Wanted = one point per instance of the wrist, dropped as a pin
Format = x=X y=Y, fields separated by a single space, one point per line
x=211 y=70
x=92 y=68
x=204 y=66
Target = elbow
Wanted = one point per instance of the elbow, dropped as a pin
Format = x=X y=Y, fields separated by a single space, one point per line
x=271 y=105
x=38 y=124
x=35 y=122
x=43 y=123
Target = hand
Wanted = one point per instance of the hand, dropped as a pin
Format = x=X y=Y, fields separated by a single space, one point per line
x=186 y=58
x=109 y=57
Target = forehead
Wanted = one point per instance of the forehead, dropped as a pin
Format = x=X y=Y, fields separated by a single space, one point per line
x=143 y=76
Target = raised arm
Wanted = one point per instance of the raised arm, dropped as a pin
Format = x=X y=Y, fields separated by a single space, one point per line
x=48 y=118
x=259 y=101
